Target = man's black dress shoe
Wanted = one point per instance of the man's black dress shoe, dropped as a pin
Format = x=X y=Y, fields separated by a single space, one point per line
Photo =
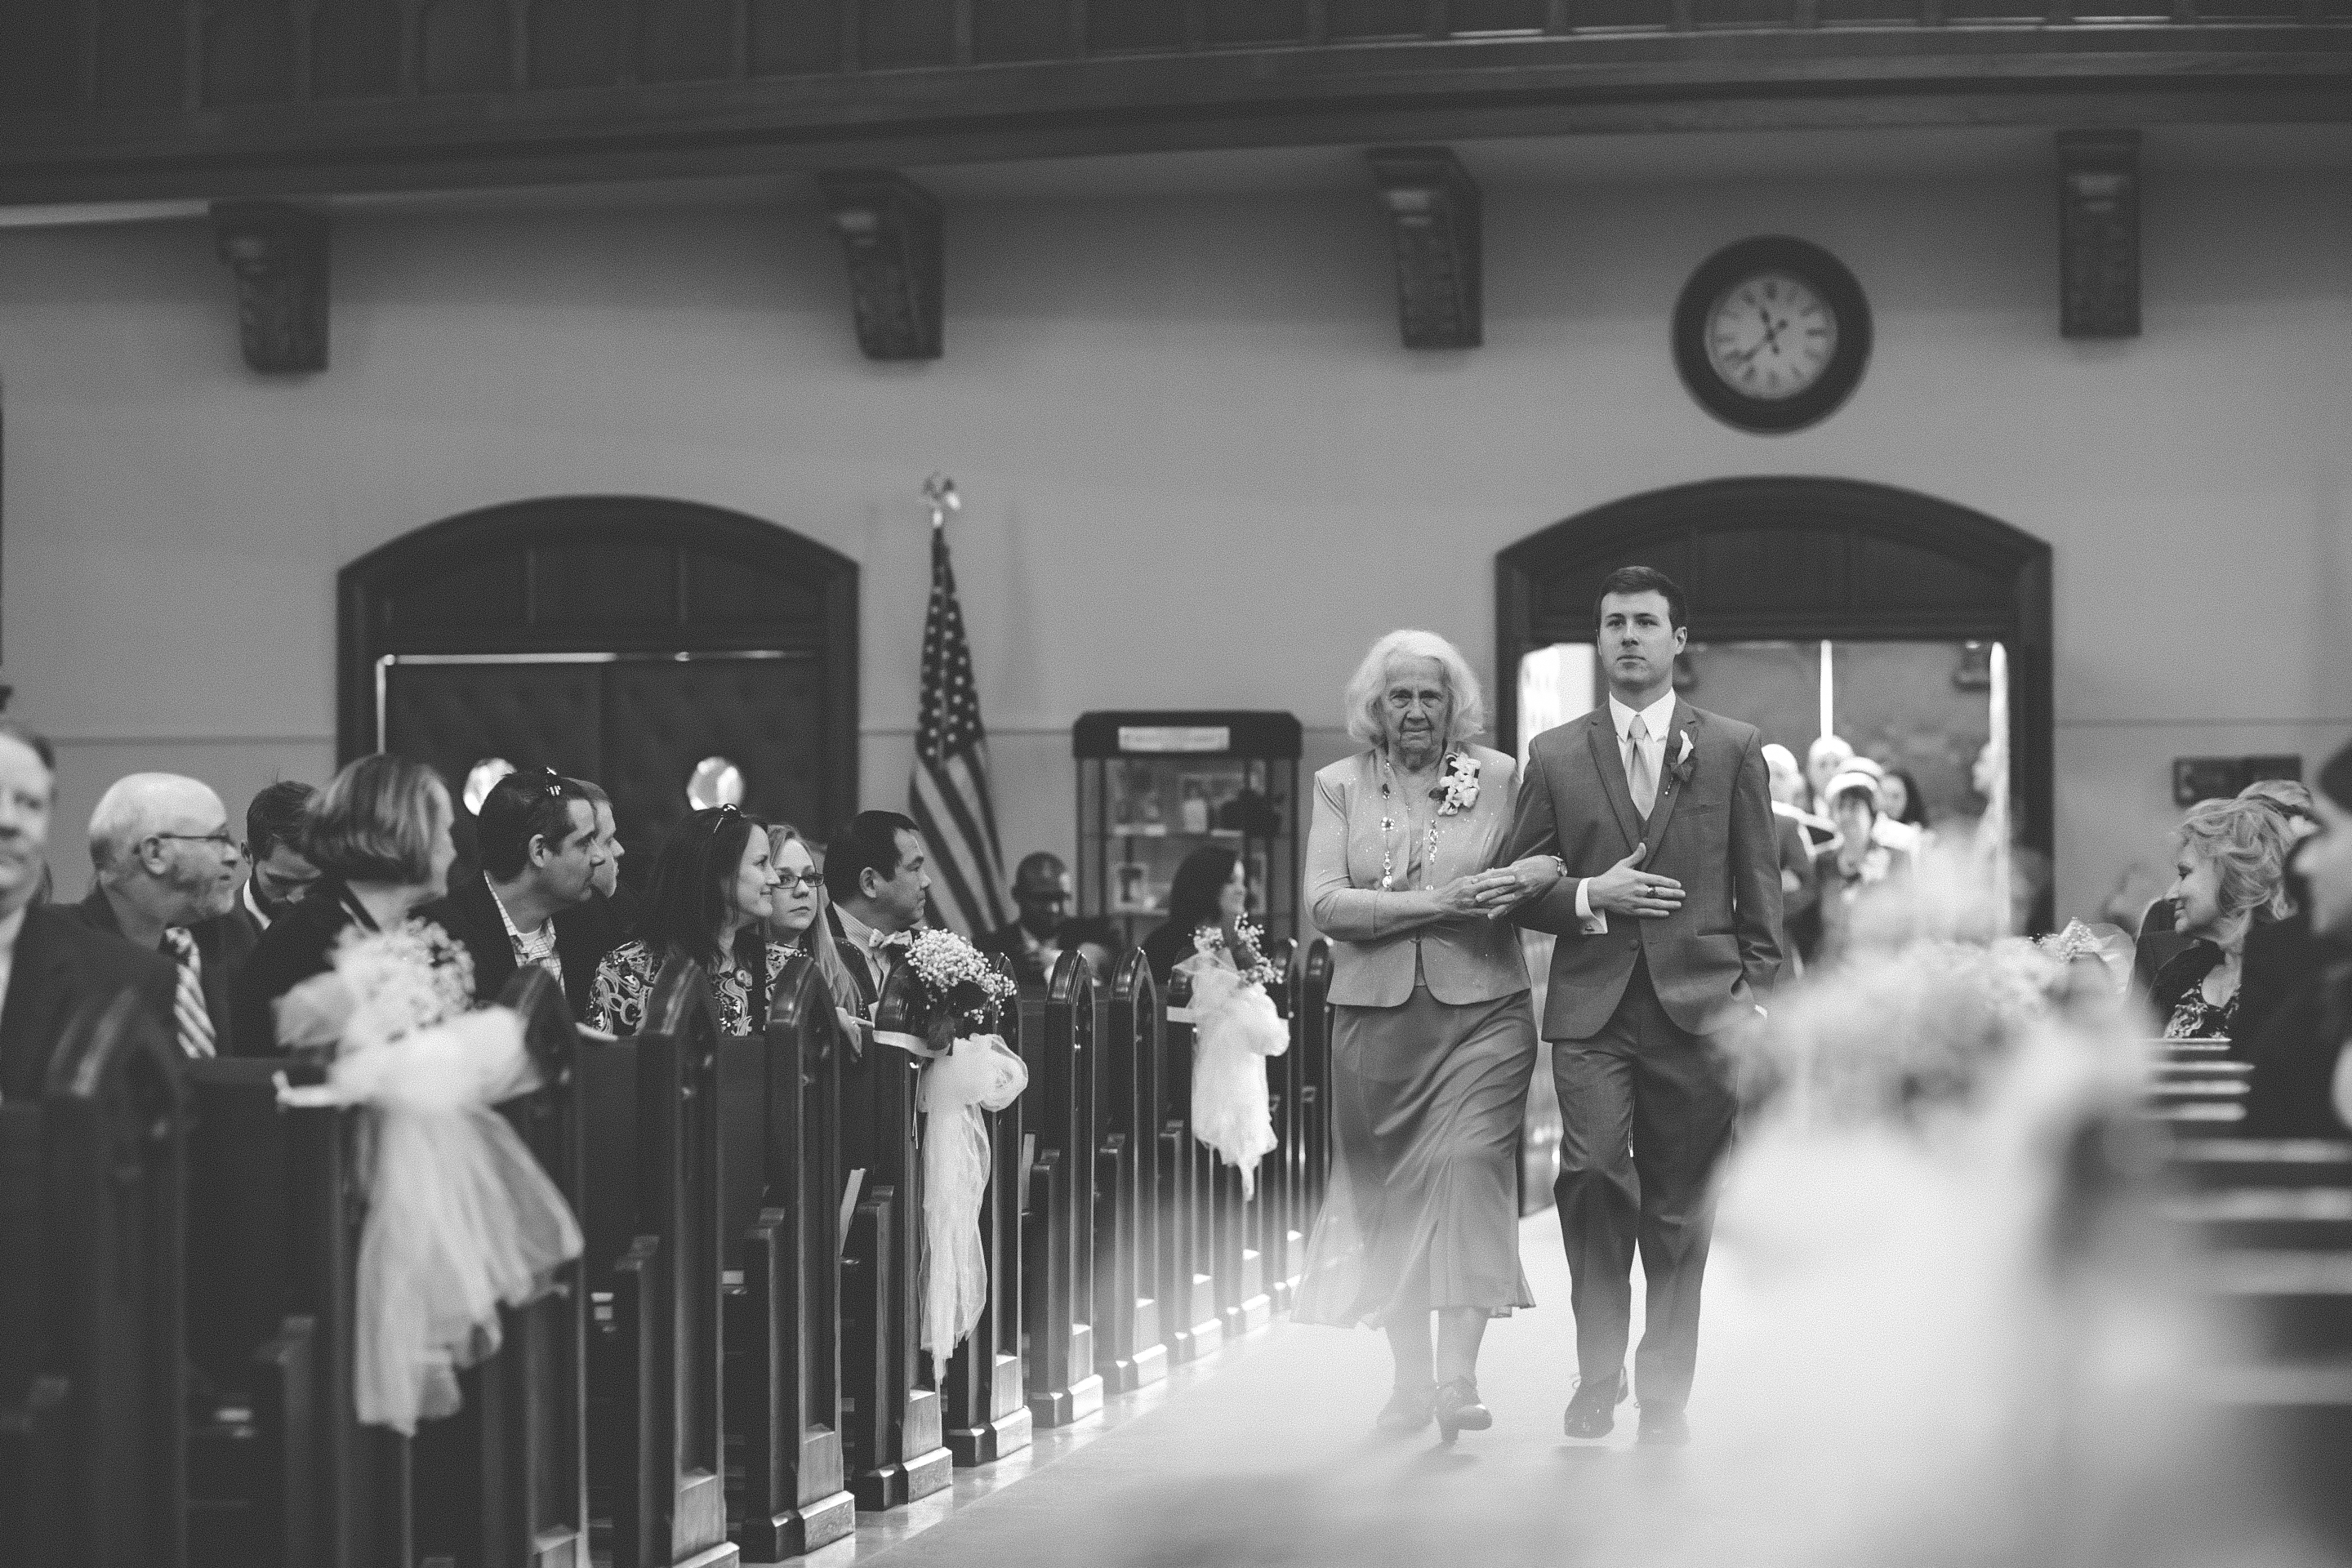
x=1408 y=1409
x=1592 y=1412
x=1663 y=1429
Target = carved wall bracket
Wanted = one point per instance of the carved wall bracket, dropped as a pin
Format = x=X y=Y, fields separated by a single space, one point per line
x=890 y=230
x=279 y=254
x=2098 y=234
x=1434 y=217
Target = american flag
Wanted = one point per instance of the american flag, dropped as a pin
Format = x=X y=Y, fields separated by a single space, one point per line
x=949 y=796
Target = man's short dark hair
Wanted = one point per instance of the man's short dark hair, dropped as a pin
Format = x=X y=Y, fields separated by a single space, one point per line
x=1039 y=868
x=522 y=807
x=1645 y=580
x=275 y=818
x=868 y=841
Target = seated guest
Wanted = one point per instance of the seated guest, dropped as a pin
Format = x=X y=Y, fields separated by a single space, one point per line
x=2302 y=1085
x=1825 y=759
x=168 y=871
x=281 y=876
x=802 y=924
x=1211 y=889
x=2158 y=942
x=2229 y=867
x=1857 y=862
x=52 y=964
x=1901 y=806
x=610 y=914
x=712 y=891
x=1796 y=831
x=536 y=835
x=1034 y=943
x=875 y=875
x=379 y=835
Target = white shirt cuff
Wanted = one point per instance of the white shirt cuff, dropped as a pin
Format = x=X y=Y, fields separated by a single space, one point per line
x=1594 y=922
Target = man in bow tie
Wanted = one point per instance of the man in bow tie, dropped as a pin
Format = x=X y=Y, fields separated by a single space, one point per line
x=874 y=869
x=1668 y=916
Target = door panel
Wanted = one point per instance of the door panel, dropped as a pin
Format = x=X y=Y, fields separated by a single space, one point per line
x=534 y=715
x=767 y=716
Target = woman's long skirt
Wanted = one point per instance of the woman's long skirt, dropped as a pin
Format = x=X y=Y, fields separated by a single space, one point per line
x=1423 y=1210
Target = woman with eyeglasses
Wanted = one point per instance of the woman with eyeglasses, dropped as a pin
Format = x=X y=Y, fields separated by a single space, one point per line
x=799 y=922
x=379 y=835
x=711 y=896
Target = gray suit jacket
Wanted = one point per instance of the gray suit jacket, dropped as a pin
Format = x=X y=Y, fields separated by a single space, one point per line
x=1711 y=829
x=1468 y=960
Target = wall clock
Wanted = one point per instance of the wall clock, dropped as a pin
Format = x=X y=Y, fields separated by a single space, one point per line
x=1771 y=334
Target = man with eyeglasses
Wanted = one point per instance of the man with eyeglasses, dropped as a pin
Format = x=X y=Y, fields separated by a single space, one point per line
x=168 y=873
x=542 y=856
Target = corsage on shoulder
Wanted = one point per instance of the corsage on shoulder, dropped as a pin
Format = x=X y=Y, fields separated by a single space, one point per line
x=1460 y=791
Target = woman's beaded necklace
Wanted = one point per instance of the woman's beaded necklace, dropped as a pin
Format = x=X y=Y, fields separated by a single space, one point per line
x=1388 y=826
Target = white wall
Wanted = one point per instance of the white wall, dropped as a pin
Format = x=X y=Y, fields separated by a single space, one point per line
x=1199 y=470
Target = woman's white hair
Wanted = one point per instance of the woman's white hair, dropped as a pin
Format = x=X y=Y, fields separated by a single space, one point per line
x=1367 y=717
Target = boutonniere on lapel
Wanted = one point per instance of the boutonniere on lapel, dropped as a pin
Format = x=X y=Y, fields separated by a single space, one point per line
x=1459 y=791
x=1685 y=761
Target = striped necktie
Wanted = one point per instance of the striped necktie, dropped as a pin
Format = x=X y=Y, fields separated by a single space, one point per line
x=188 y=1002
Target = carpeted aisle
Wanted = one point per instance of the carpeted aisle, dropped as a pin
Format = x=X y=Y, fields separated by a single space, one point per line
x=1269 y=1457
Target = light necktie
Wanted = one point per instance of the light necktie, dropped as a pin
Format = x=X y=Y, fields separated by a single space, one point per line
x=188 y=1008
x=1638 y=776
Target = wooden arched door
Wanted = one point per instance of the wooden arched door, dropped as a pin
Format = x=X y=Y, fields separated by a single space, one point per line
x=618 y=639
x=1805 y=559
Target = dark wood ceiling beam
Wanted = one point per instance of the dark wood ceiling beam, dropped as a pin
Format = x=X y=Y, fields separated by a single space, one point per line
x=1414 y=91
x=1436 y=229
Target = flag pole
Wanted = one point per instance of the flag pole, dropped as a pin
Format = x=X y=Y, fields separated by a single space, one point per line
x=940 y=492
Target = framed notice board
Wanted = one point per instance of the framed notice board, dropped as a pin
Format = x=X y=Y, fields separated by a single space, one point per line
x=1154 y=786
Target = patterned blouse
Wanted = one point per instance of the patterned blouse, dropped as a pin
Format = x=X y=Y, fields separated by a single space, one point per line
x=617 y=1003
x=2195 y=1018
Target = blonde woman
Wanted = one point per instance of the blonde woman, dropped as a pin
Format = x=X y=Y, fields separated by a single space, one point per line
x=799 y=921
x=2229 y=877
x=1433 y=1038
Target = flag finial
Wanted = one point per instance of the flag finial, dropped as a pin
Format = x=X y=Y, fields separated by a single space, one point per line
x=940 y=491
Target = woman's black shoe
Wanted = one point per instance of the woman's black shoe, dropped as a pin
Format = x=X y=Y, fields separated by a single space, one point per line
x=1458 y=1409
x=1408 y=1409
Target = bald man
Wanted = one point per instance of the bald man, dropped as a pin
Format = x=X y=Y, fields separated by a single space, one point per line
x=51 y=963
x=168 y=873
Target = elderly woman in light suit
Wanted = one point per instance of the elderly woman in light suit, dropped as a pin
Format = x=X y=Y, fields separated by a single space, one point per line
x=1432 y=1040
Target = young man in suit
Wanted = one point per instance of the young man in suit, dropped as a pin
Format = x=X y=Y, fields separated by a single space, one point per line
x=51 y=963
x=282 y=874
x=874 y=869
x=1668 y=916
x=541 y=856
x=168 y=874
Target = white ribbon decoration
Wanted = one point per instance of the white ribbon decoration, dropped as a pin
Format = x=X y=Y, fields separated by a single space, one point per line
x=461 y=1217
x=1236 y=1027
x=979 y=1073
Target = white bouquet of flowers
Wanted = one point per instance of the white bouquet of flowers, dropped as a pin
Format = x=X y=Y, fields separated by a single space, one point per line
x=968 y=1070
x=1236 y=1027
x=460 y=1218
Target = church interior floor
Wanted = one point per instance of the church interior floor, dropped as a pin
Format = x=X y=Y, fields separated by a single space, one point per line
x=1264 y=1453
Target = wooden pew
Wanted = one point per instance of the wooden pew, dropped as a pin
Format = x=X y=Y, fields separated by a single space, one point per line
x=655 y=1410
x=1281 y=1246
x=2272 y=1219
x=985 y=1394
x=1191 y=1324
x=1313 y=1069
x=1130 y=1343
x=520 y=1490
x=93 y=1358
x=1058 y=1228
x=892 y=1424
x=779 y=1113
